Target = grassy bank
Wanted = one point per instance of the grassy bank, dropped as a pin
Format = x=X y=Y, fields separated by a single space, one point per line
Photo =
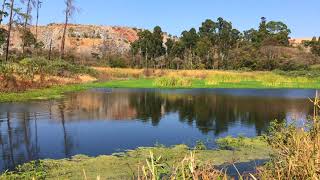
x=126 y=78
x=126 y=165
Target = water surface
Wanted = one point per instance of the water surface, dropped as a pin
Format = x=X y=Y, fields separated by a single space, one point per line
x=104 y=121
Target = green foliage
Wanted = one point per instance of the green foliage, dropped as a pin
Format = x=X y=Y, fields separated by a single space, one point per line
x=32 y=170
x=176 y=161
x=270 y=80
x=64 y=68
x=269 y=33
x=155 y=168
x=3 y=36
x=29 y=67
x=200 y=145
x=5 y=69
x=230 y=143
x=117 y=62
x=149 y=45
x=28 y=38
x=217 y=45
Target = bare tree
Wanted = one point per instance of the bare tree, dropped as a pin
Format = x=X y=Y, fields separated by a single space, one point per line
x=2 y=11
x=39 y=3
x=9 y=28
x=69 y=11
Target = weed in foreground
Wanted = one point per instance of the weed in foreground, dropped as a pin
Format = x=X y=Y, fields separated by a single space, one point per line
x=296 y=149
x=189 y=168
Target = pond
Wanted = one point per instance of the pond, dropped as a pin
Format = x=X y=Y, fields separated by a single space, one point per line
x=105 y=121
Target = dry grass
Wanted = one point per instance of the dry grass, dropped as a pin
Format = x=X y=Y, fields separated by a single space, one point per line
x=125 y=73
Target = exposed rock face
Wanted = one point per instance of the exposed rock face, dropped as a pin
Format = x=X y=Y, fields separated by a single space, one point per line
x=85 y=40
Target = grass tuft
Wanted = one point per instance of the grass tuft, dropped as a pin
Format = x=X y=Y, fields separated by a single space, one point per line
x=173 y=82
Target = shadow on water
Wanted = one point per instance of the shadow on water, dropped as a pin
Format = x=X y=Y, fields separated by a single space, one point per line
x=104 y=121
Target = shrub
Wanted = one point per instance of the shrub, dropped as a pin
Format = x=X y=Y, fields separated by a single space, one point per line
x=117 y=62
x=64 y=68
x=200 y=145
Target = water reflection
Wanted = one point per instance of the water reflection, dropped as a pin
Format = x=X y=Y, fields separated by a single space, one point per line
x=103 y=121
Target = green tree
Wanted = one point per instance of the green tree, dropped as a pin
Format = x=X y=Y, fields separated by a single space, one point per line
x=203 y=50
x=226 y=40
x=190 y=38
x=279 y=32
x=150 y=46
x=169 y=46
x=208 y=30
x=262 y=32
x=28 y=38
x=158 y=49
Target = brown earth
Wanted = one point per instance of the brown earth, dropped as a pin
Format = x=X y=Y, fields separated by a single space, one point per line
x=82 y=39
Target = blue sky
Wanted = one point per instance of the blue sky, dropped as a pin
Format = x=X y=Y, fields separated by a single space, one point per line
x=174 y=16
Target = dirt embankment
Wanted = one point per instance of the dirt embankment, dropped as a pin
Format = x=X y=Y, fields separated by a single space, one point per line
x=82 y=39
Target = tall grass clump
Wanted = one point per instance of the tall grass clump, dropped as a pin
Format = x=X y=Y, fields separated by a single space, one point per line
x=296 y=149
x=189 y=168
x=219 y=78
x=274 y=80
x=171 y=81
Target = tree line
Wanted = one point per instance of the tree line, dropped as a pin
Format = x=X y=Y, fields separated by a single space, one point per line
x=215 y=45
x=314 y=45
x=21 y=17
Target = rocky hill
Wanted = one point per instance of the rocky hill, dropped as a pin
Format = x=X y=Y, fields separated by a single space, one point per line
x=85 y=40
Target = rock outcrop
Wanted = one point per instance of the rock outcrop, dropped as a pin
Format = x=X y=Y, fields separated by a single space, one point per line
x=85 y=40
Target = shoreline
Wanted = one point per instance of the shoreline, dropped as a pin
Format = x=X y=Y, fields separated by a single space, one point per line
x=243 y=152
x=56 y=92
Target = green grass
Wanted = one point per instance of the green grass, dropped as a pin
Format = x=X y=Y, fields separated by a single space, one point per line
x=125 y=165
x=219 y=80
x=201 y=83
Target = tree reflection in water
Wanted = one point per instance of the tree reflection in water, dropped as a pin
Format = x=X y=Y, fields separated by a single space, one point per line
x=49 y=129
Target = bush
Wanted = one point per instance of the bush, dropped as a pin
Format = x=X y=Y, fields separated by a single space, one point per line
x=63 y=68
x=200 y=145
